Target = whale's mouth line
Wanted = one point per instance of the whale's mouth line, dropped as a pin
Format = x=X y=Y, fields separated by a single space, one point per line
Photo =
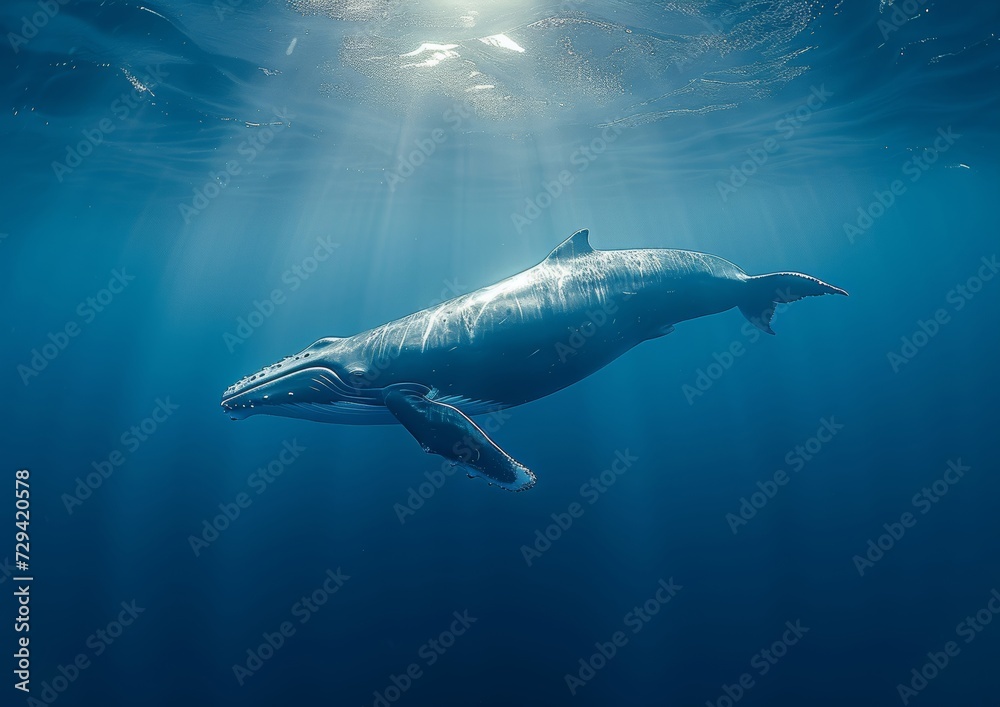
x=268 y=376
x=226 y=400
x=315 y=386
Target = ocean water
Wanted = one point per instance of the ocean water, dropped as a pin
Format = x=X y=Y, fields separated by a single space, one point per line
x=194 y=190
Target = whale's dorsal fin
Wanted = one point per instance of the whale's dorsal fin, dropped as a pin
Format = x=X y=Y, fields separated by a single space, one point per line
x=576 y=245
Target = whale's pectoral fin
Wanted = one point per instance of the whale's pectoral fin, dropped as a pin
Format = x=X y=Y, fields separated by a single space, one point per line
x=444 y=430
x=764 y=292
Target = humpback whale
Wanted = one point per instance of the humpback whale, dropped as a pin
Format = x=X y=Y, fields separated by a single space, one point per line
x=509 y=343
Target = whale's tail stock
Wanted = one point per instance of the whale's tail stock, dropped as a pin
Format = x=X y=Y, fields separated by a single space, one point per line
x=764 y=292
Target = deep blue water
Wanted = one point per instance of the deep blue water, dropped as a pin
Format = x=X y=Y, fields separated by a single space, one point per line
x=193 y=157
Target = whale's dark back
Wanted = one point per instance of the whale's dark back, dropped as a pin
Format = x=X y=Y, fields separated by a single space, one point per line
x=544 y=328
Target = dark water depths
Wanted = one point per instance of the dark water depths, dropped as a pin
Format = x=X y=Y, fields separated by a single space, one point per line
x=181 y=162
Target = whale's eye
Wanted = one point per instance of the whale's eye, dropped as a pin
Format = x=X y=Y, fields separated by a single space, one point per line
x=357 y=378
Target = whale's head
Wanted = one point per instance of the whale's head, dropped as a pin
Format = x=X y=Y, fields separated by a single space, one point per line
x=323 y=382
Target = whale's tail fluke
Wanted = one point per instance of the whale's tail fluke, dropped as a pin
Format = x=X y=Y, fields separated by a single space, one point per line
x=763 y=292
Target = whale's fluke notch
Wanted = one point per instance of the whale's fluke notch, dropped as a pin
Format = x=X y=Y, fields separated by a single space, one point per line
x=444 y=430
x=576 y=245
x=766 y=291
